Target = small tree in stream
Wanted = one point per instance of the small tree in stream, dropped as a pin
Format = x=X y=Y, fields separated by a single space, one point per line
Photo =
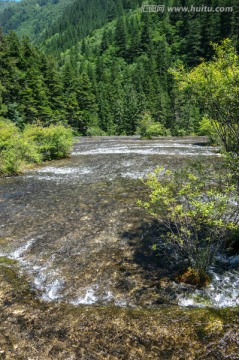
x=197 y=209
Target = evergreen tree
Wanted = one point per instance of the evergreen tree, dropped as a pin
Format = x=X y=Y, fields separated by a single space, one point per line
x=121 y=37
x=104 y=42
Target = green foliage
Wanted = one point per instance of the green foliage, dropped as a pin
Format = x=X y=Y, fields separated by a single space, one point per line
x=32 y=146
x=95 y=131
x=32 y=17
x=214 y=86
x=113 y=63
x=148 y=128
x=206 y=128
x=53 y=142
x=30 y=88
x=196 y=207
x=8 y=131
x=156 y=129
x=15 y=149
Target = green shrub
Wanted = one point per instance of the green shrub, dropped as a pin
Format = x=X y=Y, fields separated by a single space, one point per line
x=206 y=128
x=8 y=131
x=32 y=146
x=16 y=151
x=148 y=128
x=196 y=211
x=10 y=162
x=95 y=131
x=156 y=129
x=53 y=142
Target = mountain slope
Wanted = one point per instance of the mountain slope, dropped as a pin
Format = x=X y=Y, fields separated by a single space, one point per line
x=115 y=77
x=128 y=60
x=59 y=24
x=4 y=4
x=31 y=17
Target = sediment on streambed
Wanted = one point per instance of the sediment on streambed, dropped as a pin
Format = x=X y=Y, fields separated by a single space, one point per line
x=55 y=330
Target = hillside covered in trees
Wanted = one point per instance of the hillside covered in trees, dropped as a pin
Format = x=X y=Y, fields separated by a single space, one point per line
x=30 y=17
x=108 y=67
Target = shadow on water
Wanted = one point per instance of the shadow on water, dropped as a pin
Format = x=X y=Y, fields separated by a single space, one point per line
x=142 y=239
x=161 y=267
x=158 y=270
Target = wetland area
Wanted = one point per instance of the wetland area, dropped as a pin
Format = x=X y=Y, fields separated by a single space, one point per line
x=78 y=276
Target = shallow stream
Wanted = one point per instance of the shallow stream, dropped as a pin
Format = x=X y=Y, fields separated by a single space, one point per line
x=76 y=231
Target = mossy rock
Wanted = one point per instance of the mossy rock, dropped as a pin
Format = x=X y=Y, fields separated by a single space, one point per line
x=195 y=278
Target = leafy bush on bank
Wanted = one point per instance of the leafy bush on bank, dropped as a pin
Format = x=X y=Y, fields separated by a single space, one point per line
x=35 y=144
x=95 y=131
x=206 y=128
x=53 y=142
x=148 y=128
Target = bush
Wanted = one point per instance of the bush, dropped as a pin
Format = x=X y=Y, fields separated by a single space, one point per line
x=10 y=162
x=148 y=128
x=53 y=142
x=206 y=128
x=16 y=151
x=196 y=210
x=8 y=131
x=19 y=150
x=95 y=131
x=213 y=86
x=157 y=129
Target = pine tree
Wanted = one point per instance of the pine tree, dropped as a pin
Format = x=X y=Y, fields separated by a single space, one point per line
x=104 y=42
x=121 y=37
x=146 y=38
x=193 y=49
x=87 y=101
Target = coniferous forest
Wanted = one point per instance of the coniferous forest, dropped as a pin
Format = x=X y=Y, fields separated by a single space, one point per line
x=103 y=67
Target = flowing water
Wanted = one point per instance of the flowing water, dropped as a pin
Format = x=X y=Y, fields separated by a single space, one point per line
x=76 y=231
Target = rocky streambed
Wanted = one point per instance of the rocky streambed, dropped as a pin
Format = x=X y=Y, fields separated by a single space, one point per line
x=78 y=277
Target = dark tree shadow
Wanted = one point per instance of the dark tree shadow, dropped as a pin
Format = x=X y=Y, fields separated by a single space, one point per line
x=155 y=263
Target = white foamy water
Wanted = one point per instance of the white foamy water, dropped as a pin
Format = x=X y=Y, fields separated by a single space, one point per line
x=18 y=253
x=52 y=290
x=222 y=292
x=136 y=174
x=48 y=282
x=58 y=174
x=44 y=279
x=88 y=299
x=171 y=149
x=92 y=296
x=64 y=170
